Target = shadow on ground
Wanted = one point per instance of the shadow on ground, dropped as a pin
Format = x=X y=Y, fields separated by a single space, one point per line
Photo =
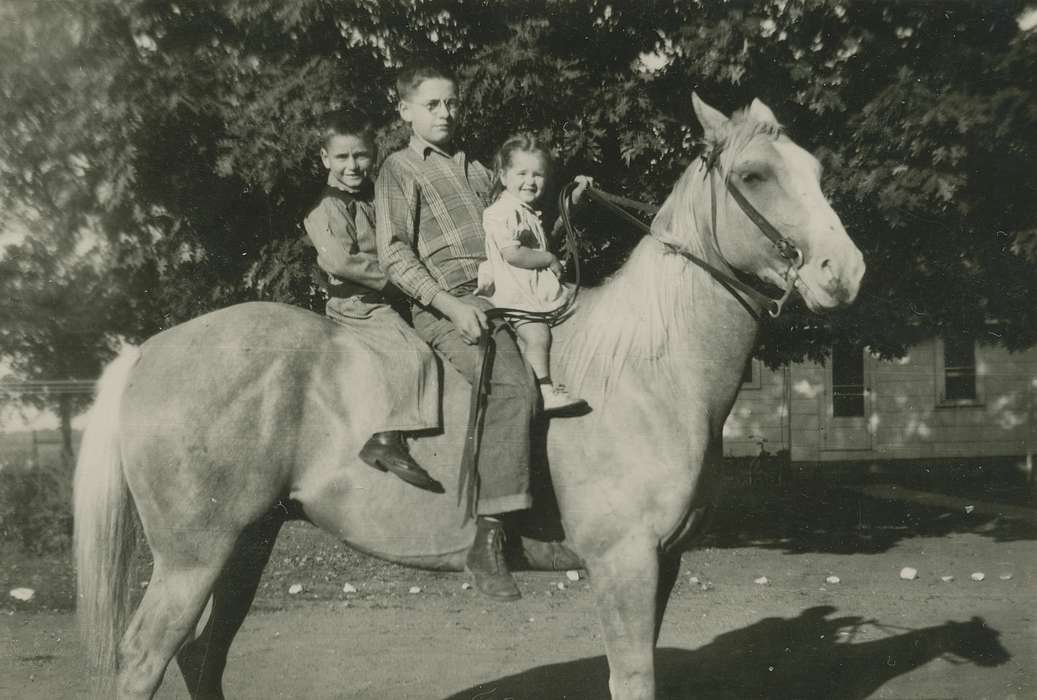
x=800 y=515
x=809 y=656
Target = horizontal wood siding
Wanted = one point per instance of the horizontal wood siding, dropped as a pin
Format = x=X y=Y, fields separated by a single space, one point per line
x=759 y=416
x=913 y=422
x=908 y=419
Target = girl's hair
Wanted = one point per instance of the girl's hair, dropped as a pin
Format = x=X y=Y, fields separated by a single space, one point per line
x=525 y=142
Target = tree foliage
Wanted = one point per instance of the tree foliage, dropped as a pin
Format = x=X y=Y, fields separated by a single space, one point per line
x=181 y=132
x=55 y=324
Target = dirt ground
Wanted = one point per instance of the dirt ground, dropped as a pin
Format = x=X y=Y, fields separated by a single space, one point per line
x=872 y=634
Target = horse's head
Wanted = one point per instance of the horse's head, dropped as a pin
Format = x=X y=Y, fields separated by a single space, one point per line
x=751 y=155
x=974 y=641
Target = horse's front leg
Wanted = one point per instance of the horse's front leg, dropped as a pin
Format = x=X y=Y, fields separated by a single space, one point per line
x=625 y=580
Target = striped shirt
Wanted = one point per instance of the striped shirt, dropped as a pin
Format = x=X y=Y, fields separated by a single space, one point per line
x=429 y=208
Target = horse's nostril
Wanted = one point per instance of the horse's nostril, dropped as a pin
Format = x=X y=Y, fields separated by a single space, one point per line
x=827 y=271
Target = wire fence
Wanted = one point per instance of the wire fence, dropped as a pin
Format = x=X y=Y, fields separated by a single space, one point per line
x=24 y=448
x=47 y=387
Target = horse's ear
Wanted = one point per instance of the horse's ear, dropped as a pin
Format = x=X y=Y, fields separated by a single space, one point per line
x=762 y=113
x=712 y=120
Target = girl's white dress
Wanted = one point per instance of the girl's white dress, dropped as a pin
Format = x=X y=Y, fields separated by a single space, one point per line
x=509 y=222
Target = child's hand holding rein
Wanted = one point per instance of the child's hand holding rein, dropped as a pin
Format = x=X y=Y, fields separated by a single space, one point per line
x=555 y=266
x=582 y=183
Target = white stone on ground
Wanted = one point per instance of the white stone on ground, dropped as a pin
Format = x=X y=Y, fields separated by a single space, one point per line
x=22 y=594
x=909 y=573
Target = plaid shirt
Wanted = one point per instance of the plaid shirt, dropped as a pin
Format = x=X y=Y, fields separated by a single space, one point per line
x=429 y=208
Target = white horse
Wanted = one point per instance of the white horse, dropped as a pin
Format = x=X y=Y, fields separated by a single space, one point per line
x=218 y=430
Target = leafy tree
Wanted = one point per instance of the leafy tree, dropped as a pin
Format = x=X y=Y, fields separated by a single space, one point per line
x=183 y=132
x=54 y=324
x=920 y=113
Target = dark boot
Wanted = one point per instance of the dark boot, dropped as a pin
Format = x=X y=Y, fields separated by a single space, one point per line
x=486 y=563
x=388 y=452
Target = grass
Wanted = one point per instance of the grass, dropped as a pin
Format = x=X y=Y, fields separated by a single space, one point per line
x=28 y=449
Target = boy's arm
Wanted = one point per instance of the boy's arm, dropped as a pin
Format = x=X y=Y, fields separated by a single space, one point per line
x=396 y=232
x=334 y=237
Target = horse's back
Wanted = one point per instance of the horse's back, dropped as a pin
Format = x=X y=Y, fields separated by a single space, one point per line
x=260 y=401
x=246 y=327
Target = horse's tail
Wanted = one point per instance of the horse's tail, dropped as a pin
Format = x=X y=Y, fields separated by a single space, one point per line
x=105 y=528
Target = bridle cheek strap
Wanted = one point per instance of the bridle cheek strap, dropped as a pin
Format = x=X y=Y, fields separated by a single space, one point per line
x=786 y=248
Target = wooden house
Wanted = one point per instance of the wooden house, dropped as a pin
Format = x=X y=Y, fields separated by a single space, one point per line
x=946 y=399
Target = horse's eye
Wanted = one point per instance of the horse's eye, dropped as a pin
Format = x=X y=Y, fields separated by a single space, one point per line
x=752 y=177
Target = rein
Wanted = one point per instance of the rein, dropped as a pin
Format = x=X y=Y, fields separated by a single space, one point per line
x=786 y=248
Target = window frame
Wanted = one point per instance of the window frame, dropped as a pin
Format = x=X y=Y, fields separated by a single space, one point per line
x=863 y=384
x=755 y=372
x=942 y=374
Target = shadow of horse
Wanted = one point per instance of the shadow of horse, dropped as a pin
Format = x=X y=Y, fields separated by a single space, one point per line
x=816 y=516
x=809 y=656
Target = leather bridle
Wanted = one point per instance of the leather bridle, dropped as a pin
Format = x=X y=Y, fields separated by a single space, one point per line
x=786 y=248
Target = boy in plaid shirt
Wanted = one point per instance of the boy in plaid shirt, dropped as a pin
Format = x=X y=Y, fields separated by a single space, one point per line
x=429 y=200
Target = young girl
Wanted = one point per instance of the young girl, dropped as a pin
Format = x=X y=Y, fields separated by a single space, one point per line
x=520 y=272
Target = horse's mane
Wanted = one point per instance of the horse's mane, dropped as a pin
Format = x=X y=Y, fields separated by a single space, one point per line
x=631 y=315
x=628 y=317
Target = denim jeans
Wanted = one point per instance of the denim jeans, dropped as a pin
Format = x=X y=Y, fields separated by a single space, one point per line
x=510 y=405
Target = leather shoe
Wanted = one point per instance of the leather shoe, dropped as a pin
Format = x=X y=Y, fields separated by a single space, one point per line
x=387 y=452
x=485 y=561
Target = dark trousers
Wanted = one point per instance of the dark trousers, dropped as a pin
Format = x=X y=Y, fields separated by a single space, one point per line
x=510 y=406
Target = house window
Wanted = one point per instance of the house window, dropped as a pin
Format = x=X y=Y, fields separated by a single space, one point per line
x=751 y=374
x=959 y=369
x=847 y=381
